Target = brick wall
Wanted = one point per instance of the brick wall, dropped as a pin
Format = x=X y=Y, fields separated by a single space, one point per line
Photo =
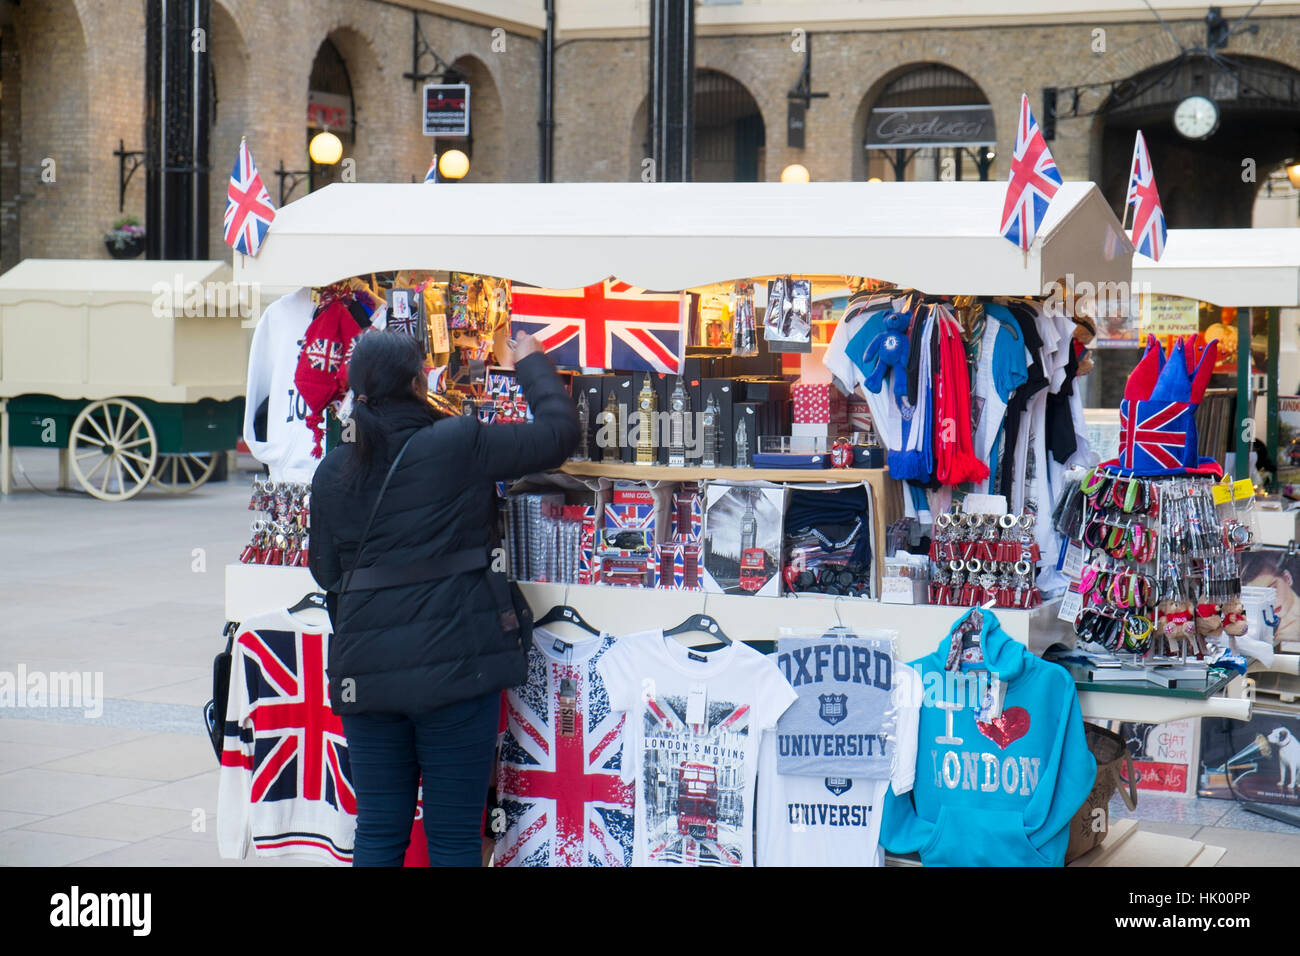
x=73 y=86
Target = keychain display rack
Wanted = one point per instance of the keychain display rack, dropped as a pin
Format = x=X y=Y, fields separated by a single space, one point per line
x=280 y=534
x=983 y=559
x=1161 y=574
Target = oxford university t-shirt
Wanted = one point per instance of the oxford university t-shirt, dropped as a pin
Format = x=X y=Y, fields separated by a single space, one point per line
x=691 y=744
x=833 y=820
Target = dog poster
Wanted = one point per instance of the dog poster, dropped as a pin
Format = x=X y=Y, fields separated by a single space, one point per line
x=1257 y=760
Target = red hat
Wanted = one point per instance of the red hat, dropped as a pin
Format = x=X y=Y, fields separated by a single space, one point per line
x=322 y=373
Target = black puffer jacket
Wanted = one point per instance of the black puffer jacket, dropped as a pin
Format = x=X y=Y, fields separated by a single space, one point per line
x=416 y=647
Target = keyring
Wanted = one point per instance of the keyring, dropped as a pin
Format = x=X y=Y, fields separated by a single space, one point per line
x=974 y=566
x=974 y=522
x=1023 y=567
x=1007 y=521
x=944 y=520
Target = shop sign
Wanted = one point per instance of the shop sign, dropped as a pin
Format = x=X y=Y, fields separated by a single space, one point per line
x=919 y=126
x=328 y=111
x=446 y=109
x=1169 y=315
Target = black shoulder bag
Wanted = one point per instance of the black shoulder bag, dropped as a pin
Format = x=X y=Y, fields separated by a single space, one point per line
x=515 y=615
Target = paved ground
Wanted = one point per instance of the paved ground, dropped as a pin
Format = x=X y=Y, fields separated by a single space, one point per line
x=133 y=591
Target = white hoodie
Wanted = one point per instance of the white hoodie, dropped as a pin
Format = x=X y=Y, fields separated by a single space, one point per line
x=271 y=365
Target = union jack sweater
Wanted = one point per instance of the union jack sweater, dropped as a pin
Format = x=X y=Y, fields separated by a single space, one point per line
x=285 y=781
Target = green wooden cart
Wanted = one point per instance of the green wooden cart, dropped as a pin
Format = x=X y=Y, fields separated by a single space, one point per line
x=134 y=370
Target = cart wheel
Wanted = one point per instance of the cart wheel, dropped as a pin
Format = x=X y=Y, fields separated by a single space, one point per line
x=179 y=473
x=114 y=449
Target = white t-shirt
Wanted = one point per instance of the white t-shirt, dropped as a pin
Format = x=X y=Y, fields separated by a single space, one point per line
x=272 y=361
x=694 y=780
x=835 y=821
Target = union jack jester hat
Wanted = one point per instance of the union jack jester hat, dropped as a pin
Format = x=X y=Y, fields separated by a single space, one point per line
x=1158 y=413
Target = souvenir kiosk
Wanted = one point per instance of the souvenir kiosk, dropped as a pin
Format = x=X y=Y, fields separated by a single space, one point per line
x=930 y=236
x=936 y=237
x=1257 y=273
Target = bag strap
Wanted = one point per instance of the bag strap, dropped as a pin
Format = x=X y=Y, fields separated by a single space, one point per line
x=365 y=535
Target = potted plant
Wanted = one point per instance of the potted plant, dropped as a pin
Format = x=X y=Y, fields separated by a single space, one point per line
x=126 y=239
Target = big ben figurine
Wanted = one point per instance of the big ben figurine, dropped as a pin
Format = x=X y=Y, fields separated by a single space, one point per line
x=647 y=404
x=680 y=407
x=607 y=424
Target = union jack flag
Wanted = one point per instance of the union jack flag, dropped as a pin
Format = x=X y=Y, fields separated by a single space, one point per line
x=559 y=783
x=1149 y=231
x=289 y=740
x=607 y=325
x=325 y=356
x=431 y=175
x=1153 y=435
x=249 y=212
x=1033 y=182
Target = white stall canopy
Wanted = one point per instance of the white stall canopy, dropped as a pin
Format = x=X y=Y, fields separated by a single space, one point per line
x=1241 y=267
x=941 y=238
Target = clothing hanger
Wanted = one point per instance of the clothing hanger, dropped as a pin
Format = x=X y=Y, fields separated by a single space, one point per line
x=701 y=623
x=565 y=613
x=312 y=599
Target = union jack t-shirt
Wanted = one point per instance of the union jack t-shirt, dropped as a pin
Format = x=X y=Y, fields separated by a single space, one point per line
x=560 y=796
x=285 y=784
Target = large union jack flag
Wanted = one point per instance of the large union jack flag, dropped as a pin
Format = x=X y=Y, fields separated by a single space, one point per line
x=248 y=206
x=559 y=783
x=609 y=325
x=1149 y=231
x=1153 y=435
x=290 y=741
x=1033 y=182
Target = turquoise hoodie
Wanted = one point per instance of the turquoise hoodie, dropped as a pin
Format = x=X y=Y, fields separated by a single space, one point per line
x=1001 y=793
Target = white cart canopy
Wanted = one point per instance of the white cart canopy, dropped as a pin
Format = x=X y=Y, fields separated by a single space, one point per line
x=941 y=238
x=1241 y=267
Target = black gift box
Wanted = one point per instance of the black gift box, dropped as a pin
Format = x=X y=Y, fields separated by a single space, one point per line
x=626 y=388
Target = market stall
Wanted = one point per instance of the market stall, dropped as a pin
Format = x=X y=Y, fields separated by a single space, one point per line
x=629 y=535
x=134 y=370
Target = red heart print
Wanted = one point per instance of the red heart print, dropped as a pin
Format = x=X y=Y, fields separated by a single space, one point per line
x=1011 y=726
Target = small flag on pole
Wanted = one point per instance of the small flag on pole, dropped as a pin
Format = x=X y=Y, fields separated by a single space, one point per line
x=249 y=212
x=1033 y=182
x=1149 y=231
x=432 y=175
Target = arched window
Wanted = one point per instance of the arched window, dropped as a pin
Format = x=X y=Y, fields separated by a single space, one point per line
x=329 y=106
x=728 y=130
x=930 y=122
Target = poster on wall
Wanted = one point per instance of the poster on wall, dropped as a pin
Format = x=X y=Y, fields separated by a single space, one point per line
x=742 y=539
x=1164 y=755
x=1288 y=445
x=1255 y=760
x=1278 y=569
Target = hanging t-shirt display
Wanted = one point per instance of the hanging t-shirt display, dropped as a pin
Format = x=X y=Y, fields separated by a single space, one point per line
x=1002 y=761
x=695 y=722
x=834 y=820
x=559 y=780
x=842 y=723
x=275 y=414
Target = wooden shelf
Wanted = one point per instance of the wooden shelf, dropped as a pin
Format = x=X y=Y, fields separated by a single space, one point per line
x=596 y=469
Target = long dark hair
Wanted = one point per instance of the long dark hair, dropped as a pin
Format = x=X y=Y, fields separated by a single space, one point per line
x=383 y=367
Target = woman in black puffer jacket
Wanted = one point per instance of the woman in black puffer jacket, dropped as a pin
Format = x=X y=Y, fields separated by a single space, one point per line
x=415 y=669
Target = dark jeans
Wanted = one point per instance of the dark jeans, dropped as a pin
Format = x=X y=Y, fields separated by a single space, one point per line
x=453 y=748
